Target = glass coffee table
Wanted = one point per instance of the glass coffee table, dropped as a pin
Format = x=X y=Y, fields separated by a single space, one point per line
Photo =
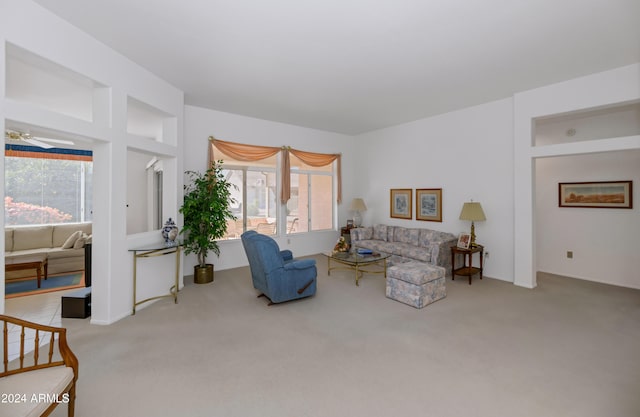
x=358 y=263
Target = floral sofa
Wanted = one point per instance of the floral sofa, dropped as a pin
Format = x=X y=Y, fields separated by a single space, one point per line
x=62 y=243
x=407 y=244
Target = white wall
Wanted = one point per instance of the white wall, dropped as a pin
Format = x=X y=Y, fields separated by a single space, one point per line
x=609 y=88
x=604 y=241
x=468 y=153
x=64 y=46
x=201 y=123
x=2 y=177
x=137 y=213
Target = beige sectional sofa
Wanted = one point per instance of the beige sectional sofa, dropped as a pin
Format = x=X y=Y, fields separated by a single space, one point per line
x=49 y=240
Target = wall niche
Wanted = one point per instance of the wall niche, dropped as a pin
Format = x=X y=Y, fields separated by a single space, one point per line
x=602 y=123
x=42 y=83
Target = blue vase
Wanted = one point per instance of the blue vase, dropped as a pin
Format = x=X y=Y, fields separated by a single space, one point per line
x=170 y=232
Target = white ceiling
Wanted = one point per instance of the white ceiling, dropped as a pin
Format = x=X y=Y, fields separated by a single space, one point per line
x=352 y=66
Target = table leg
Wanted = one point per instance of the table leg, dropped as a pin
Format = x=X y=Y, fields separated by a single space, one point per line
x=357 y=275
x=453 y=265
x=135 y=260
x=39 y=274
x=470 y=266
x=175 y=296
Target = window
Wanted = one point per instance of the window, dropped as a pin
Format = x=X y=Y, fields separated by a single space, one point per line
x=256 y=196
x=311 y=205
x=44 y=186
x=256 y=171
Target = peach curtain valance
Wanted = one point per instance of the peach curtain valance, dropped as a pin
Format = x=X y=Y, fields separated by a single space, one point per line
x=240 y=151
x=243 y=152
x=315 y=160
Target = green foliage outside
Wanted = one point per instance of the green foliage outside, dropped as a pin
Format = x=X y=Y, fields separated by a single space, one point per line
x=43 y=191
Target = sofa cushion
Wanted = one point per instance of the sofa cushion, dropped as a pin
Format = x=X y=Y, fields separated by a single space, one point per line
x=32 y=237
x=361 y=233
x=62 y=231
x=26 y=252
x=59 y=253
x=71 y=240
x=80 y=242
x=376 y=245
x=8 y=240
x=408 y=250
x=427 y=236
x=405 y=235
x=380 y=232
x=390 y=233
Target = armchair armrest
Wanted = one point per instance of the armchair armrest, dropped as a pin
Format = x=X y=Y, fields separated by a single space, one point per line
x=300 y=264
x=286 y=254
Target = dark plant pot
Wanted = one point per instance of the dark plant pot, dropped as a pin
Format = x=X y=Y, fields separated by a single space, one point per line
x=203 y=275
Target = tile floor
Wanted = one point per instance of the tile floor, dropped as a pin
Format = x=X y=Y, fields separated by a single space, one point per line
x=41 y=308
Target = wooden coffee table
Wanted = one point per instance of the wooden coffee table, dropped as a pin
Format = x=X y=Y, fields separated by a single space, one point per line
x=19 y=263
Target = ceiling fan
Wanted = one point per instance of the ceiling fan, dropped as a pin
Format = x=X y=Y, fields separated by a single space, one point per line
x=33 y=140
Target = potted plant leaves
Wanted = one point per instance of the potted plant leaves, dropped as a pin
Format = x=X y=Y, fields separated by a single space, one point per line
x=206 y=209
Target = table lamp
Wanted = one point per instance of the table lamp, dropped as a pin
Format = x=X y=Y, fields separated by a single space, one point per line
x=357 y=205
x=472 y=211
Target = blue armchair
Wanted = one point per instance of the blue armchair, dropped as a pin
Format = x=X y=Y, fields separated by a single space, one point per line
x=275 y=273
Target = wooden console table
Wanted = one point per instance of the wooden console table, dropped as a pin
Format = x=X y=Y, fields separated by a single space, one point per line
x=467 y=268
x=151 y=251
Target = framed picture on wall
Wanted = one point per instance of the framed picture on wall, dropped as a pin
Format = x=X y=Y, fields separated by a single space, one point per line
x=600 y=194
x=429 y=204
x=401 y=203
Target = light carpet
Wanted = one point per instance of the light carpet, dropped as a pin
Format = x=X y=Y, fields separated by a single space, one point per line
x=566 y=348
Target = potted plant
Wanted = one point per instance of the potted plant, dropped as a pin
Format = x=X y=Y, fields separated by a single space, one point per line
x=206 y=209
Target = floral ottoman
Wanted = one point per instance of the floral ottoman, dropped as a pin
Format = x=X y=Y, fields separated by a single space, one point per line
x=415 y=283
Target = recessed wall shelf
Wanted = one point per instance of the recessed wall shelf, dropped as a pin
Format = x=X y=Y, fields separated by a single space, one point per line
x=35 y=80
x=601 y=123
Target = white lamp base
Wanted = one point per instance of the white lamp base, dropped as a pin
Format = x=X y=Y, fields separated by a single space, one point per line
x=357 y=219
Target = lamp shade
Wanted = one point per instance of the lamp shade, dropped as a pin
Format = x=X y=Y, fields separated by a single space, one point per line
x=472 y=211
x=357 y=204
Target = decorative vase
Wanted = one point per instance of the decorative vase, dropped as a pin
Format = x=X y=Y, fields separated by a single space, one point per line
x=170 y=232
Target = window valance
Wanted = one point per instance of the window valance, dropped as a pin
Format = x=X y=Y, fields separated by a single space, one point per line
x=240 y=151
x=244 y=152
x=315 y=160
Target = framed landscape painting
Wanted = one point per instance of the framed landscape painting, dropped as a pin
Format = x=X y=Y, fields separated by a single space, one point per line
x=600 y=194
x=401 y=203
x=429 y=204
